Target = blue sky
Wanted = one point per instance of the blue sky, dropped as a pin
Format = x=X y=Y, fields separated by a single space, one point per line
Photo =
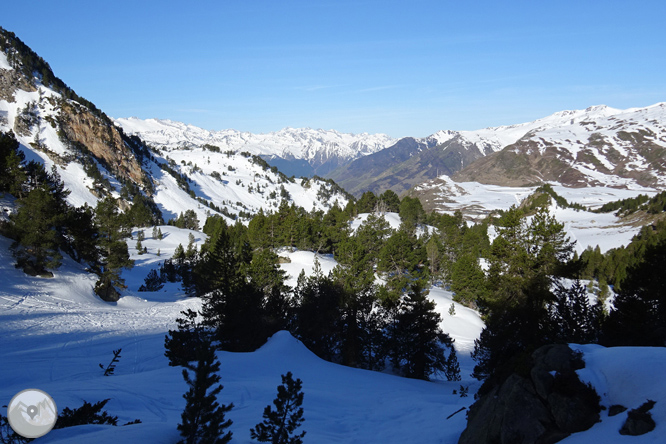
x=405 y=68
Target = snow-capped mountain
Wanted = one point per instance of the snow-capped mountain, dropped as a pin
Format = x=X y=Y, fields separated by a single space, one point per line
x=301 y=150
x=597 y=145
x=95 y=158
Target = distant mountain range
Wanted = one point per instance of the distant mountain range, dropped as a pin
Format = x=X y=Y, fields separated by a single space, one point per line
x=595 y=146
x=295 y=151
x=235 y=173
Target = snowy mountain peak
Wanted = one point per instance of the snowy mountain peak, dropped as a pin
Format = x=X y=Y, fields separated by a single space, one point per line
x=317 y=147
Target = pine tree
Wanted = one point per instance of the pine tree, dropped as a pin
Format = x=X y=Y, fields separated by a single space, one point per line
x=279 y=425
x=182 y=346
x=415 y=338
x=35 y=224
x=452 y=366
x=524 y=260
x=115 y=255
x=203 y=420
x=577 y=320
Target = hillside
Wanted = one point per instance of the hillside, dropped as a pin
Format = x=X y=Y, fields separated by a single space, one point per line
x=595 y=146
x=95 y=158
x=600 y=146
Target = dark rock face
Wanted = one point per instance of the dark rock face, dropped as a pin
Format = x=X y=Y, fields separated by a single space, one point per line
x=639 y=421
x=616 y=409
x=543 y=408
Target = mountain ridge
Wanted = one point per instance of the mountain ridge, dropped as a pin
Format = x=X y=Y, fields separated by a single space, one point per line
x=457 y=151
x=321 y=149
x=96 y=158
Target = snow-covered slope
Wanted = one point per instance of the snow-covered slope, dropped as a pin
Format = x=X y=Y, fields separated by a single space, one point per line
x=55 y=333
x=588 y=229
x=596 y=146
x=193 y=178
x=315 y=146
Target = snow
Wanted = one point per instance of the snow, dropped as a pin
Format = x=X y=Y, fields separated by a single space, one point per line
x=393 y=220
x=588 y=229
x=56 y=332
x=288 y=143
x=305 y=261
x=4 y=63
x=628 y=376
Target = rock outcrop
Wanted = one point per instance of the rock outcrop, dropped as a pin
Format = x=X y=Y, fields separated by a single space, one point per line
x=101 y=138
x=543 y=407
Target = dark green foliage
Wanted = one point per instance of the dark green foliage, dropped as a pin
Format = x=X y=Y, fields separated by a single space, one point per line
x=266 y=275
x=187 y=220
x=624 y=206
x=389 y=201
x=612 y=266
x=86 y=414
x=83 y=235
x=411 y=212
x=541 y=199
x=639 y=317
x=316 y=318
x=12 y=175
x=280 y=424
x=452 y=367
x=152 y=282
x=183 y=345
x=576 y=319
x=35 y=226
x=403 y=261
x=203 y=420
x=416 y=341
x=367 y=203
x=525 y=258
x=467 y=280
x=115 y=255
x=237 y=316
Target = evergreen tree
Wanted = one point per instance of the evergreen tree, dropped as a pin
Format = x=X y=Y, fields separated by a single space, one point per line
x=415 y=339
x=83 y=235
x=280 y=424
x=411 y=213
x=576 y=319
x=452 y=366
x=467 y=280
x=203 y=420
x=525 y=258
x=12 y=175
x=35 y=226
x=152 y=282
x=316 y=318
x=115 y=255
x=391 y=201
x=403 y=261
x=639 y=316
x=367 y=202
x=267 y=276
x=182 y=345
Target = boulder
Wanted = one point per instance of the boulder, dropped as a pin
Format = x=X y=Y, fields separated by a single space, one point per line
x=639 y=421
x=542 y=408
